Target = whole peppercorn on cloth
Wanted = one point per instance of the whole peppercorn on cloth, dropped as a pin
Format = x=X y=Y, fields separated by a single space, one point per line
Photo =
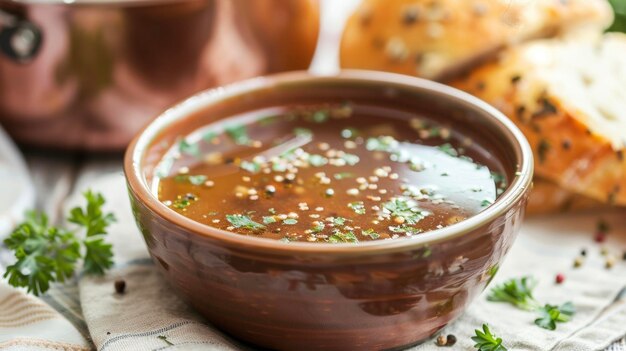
x=150 y=316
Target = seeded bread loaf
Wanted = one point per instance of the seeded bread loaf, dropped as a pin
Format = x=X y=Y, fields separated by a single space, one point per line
x=548 y=198
x=569 y=99
x=438 y=38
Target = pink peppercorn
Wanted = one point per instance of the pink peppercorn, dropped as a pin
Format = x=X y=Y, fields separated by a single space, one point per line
x=560 y=278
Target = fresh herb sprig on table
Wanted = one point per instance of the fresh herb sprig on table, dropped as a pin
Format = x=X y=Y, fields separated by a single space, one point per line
x=46 y=254
x=486 y=341
x=519 y=293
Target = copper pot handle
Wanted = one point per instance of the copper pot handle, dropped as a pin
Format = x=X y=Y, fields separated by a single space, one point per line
x=20 y=39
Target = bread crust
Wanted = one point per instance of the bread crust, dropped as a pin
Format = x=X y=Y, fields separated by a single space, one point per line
x=436 y=39
x=579 y=152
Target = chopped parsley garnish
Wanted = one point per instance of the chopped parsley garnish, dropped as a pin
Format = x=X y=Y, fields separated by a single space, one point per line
x=404 y=229
x=371 y=233
x=209 y=137
x=343 y=175
x=320 y=116
x=383 y=143
x=241 y=221
x=550 y=315
x=164 y=338
x=269 y=120
x=448 y=149
x=290 y=221
x=485 y=203
x=486 y=341
x=317 y=160
x=250 y=166
x=269 y=219
x=302 y=132
x=341 y=237
x=47 y=254
x=318 y=227
x=404 y=208
x=188 y=148
x=193 y=179
x=339 y=220
x=358 y=207
x=239 y=134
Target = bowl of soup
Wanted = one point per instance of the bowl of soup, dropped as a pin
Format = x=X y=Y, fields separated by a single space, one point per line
x=364 y=210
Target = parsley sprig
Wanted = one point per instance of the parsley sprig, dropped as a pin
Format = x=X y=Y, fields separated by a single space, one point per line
x=519 y=293
x=46 y=254
x=486 y=341
x=516 y=291
x=550 y=315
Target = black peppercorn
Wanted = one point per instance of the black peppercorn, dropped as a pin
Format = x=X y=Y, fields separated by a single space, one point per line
x=451 y=340
x=120 y=286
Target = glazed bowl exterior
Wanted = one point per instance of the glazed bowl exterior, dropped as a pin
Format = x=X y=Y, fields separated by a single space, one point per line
x=313 y=296
x=89 y=74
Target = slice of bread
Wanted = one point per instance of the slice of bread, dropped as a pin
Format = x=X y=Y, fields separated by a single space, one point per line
x=569 y=99
x=548 y=198
x=437 y=39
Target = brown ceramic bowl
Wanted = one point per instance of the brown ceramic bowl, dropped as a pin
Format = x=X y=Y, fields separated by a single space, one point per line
x=314 y=296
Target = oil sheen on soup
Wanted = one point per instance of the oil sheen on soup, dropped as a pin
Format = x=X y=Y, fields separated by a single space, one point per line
x=328 y=174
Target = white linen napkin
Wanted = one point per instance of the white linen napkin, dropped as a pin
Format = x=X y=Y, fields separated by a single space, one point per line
x=149 y=316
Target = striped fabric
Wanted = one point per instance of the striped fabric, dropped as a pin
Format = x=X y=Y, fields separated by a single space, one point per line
x=27 y=323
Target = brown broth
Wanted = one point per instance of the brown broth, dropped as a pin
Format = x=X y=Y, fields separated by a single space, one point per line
x=328 y=174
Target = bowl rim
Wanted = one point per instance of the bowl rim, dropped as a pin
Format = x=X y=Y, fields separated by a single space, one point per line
x=516 y=191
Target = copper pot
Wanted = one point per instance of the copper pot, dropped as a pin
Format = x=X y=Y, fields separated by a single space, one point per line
x=90 y=73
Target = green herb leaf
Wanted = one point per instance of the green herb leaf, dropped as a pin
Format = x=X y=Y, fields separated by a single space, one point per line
x=239 y=134
x=187 y=148
x=371 y=233
x=164 y=338
x=92 y=218
x=303 y=132
x=340 y=237
x=449 y=149
x=550 y=315
x=98 y=256
x=343 y=175
x=404 y=208
x=320 y=116
x=241 y=221
x=358 y=207
x=516 y=291
x=48 y=254
x=486 y=341
x=269 y=219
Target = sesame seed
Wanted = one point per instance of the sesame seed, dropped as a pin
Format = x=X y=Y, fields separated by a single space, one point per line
x=245 y=179
x=183 y=170
x=319 y=209
x=353 y=192
x=329 y=192
x=361 y=180
x=209 y=183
